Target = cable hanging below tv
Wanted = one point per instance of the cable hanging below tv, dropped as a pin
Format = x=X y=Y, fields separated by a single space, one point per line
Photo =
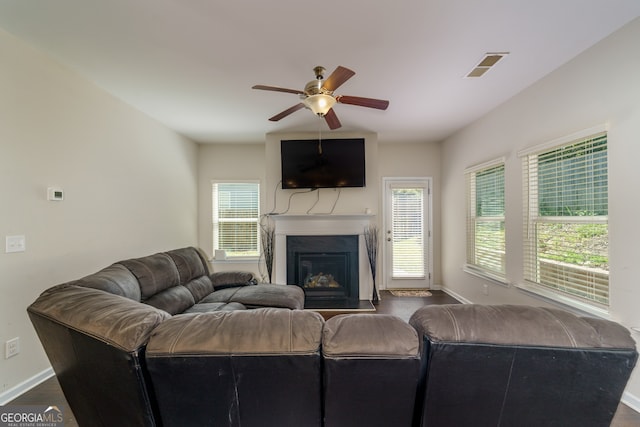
x=323 y=163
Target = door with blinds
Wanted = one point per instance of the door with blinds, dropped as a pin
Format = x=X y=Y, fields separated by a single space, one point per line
x=406 y=233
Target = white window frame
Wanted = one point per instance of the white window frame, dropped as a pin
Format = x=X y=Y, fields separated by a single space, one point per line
x=472 y=266
x=531 y=219
x=216 y=220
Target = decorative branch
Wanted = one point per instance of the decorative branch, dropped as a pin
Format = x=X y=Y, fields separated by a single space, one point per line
x=268 y=240
x=371 y=241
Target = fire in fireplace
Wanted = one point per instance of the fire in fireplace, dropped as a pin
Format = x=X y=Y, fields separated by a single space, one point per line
x=326 y=267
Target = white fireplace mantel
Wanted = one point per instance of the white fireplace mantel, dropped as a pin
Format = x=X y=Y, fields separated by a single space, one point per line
x=322 y=225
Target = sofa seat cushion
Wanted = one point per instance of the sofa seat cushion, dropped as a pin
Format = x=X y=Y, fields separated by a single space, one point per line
x=199 y=287
x=174 y=300
x=263 y=295
x=205 y=307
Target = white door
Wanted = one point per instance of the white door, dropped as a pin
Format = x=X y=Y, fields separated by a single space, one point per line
x=406 y=234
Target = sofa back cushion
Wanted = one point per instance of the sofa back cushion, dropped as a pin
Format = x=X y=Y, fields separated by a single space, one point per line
x=252 y=368
x=115 y=279
x=189 y=264
x=520 y=365
x=263 y=331
x=193 y=271
x=94 y=341
x=159 y=282
x=112 y=319
x=155 y=273
x=369 y=355
x=518 y=325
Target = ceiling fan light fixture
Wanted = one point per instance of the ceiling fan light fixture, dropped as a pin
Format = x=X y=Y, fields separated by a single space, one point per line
x=320 y=104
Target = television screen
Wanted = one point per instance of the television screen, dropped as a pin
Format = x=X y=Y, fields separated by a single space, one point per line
x=326 y=163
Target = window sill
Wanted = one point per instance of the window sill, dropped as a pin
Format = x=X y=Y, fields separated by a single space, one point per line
x=563 y=301
x=242 y=260
x=475 y=271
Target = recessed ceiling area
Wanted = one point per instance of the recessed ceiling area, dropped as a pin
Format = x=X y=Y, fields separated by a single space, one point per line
x=191 y=64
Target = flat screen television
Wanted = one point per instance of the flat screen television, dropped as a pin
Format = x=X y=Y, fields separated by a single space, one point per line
x=326 y=163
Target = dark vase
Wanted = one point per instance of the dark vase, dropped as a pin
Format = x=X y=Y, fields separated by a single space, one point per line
x=374 y=297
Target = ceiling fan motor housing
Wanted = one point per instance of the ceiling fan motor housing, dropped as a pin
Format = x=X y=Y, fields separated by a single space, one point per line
x=314 y=87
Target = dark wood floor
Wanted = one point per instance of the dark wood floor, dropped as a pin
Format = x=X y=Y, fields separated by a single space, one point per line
x=49 y=392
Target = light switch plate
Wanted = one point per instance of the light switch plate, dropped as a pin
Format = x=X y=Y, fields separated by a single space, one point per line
x=16 y=244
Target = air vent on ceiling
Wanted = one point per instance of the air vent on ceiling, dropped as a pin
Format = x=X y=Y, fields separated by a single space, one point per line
x=490 y=59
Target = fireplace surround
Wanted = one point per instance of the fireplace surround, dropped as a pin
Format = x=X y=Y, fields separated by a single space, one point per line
x=338 y=225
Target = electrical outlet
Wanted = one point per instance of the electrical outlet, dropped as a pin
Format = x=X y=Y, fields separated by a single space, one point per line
x=12 y=347
x=485 y=289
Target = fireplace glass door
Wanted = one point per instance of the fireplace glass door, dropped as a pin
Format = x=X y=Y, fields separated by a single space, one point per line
x=325 y=267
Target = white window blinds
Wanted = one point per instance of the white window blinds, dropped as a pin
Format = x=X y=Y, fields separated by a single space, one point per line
x=485 y=218
x=236 y=214
x=408 y=232
x=566 y=219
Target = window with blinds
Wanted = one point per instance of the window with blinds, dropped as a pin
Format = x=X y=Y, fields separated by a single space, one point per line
x=408 y=233
x=566 y=219
x=485 y=219
x=236 y=215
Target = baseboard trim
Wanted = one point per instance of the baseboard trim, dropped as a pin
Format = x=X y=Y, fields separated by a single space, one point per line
x=25 y=386
x=631 y=401
x=460 y=298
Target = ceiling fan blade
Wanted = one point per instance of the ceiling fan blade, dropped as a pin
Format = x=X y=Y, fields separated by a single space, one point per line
x=277 y=89
x=332 y=120
x=286 y=112
x=337 y=78
x=363 y=102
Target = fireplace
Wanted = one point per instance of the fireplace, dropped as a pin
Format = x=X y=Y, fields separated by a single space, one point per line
x=320 y=226
x=325 y=267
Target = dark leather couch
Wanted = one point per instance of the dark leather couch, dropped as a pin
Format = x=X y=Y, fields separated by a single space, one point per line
x=159 y=341
x=371 y=364
x=519 y=366
x=253 y=369
x=95 y=329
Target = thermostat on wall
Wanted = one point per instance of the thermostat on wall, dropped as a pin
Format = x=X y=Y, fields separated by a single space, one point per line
x=54 y=193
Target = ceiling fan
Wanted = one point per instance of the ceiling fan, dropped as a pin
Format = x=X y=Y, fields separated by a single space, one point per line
x=319 y=98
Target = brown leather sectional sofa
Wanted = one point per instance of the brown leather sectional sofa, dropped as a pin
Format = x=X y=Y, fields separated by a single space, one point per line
x=160 y=341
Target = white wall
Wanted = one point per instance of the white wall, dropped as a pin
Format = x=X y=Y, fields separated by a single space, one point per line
x=262 y=161
x=130 y=189
x=417 y=160
x=225 y=162
x=602 y=85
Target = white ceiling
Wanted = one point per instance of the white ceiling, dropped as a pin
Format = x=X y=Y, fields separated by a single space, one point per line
x=191 y=63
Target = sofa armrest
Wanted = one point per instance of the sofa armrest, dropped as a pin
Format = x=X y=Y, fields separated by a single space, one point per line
x=232 y=279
